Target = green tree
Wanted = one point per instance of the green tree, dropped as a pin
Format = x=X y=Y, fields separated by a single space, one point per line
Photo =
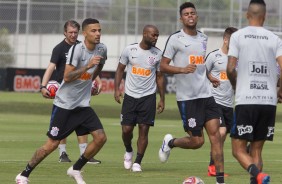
x=6 y=52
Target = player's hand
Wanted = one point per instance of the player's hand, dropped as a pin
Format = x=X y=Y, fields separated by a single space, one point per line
x=118 y=95
x=189 y=68
x=160 y=107
x=215 y=82
x=95 y=60
x=45 y=93
x=98 y=90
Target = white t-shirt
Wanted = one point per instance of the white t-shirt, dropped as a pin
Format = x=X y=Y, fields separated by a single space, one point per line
x=78 y=93
x=142 y=66
x=216 y=63
x=184 y=49
x=256 y=49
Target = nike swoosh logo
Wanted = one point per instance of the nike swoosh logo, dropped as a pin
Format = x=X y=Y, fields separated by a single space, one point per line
x=134 y=57
x=220 y=63
x=187 y=45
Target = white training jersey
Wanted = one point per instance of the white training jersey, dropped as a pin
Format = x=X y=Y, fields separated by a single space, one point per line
x=256 y=49
x=142 y=66
x=184 y=49
x=78 y=93
x=216 y=63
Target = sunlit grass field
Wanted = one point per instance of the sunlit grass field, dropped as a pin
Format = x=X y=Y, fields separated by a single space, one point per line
x=24 y=119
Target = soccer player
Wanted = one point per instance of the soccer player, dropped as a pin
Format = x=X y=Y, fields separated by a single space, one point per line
x=257 y=52
x=57 y=64
x=143 y=77
x=71 y=109
x=198 y=109
x=216 y=62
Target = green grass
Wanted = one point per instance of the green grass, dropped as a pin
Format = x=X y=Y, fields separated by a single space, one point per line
x=24 y=119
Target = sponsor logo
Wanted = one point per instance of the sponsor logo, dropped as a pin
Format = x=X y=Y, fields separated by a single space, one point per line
x=198 y=60
x=262 y=85
x=268 y=99
x=258 y=69
x=140 y=71
x=270 y=131
x=223 y=75
x=192 y=122
x=218 y=56
x=187 y=45
x=258 y=37
x=85 y=76
x=244 y=130
x=134 y=57
x=54 y=132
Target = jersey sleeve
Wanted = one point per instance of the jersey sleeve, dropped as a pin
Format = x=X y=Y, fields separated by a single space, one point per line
x=279 y=48
x=105 y=55
x=169 y=50
x=73 y=56
x=234 y=45
x=55 y=57
x=209 y=62
x=124 y=57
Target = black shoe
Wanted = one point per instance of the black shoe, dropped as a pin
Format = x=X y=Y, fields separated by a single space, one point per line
x=64 y=157
x=93 y=161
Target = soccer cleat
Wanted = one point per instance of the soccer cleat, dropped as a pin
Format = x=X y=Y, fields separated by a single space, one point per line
x=263 y=178
x=136 y=168
x=211 y=170
x=93 y=161
x=21 y=179
x=64 y=157
x=164 y=151
x=127 y=163
x=76 y=175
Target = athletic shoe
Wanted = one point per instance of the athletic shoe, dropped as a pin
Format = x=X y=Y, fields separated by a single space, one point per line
x=211 y=170
x=93 y=161
x=164 y=151
x=127 y=163
x=136 y=168
x=76 y=175
x=263 y=178
x=21 y=179
x=64 y=157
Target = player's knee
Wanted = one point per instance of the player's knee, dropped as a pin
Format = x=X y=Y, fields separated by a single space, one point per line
x=197 y=142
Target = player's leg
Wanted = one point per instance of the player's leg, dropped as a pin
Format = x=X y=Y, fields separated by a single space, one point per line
x=39 y=155
x=212 y=128
x=82 y=144
x=63 y=151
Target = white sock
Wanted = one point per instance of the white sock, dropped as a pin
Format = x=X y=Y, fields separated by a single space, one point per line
x=82 y=148
x=62 y=148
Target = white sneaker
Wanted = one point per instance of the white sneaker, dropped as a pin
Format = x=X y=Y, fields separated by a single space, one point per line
x=21 y=179
x=127 y=163
x=76 y=175
x=136 y=168
x=164 y=151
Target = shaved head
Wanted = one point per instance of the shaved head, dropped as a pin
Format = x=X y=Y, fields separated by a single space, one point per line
x=149 y=27
x=257 y=9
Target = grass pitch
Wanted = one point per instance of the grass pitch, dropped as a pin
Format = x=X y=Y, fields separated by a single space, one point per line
x=24 y=119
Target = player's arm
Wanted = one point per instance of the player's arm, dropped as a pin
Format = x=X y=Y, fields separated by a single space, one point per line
x=117 y=81
x=167 y=68
x=46 y=77
x=279 y=61
x=215 y=82
x=161 y=89
x=97 y=78
x=231 y=70
x=72 y=73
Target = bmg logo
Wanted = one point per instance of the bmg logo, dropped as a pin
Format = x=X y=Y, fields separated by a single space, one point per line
x=258 y=68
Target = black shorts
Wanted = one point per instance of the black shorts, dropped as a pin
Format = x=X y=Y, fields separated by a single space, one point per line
x=226 y=116
x=63 y=122
x=138 y=110
x=195 y=113
x=254 y=122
